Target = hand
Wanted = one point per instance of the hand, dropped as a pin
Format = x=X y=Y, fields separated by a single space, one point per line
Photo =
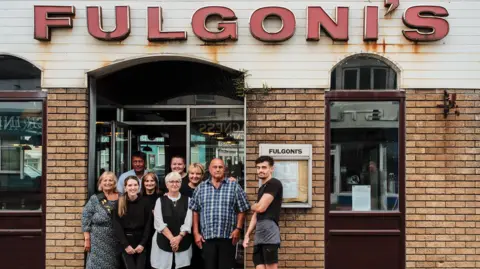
x=232 y=179
x=139 y=249
x=130 y=250
x=87 y=245
x=175 y=249
x=199 y=240
x=175 y=241
x=235 y=235
x=246 y=240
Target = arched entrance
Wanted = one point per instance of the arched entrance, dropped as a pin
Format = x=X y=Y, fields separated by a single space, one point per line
x=22 y=164
x=365 y=165
x=164 y=108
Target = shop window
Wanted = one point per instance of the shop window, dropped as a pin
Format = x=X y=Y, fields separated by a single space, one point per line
x=219 y=133
x=363 y=73
x=364 y=154
x=20 y=155
x=18 y=75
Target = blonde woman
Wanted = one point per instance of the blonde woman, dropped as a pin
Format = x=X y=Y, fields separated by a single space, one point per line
x=172 y=242
x=132 y=223
x=100 y=241
x=196 y=173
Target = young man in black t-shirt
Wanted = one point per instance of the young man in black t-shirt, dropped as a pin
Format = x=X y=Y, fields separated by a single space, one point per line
x=265 y=217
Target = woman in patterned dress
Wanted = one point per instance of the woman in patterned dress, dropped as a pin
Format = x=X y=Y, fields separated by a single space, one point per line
x=100 y=241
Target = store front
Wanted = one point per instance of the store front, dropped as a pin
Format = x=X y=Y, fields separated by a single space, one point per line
x=371 y=109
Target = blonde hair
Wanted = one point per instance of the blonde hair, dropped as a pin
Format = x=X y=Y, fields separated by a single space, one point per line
x=199 y=166
x=105 y=175
x=122 y=201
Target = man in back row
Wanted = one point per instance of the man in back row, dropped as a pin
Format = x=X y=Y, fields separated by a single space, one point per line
x=266 y=217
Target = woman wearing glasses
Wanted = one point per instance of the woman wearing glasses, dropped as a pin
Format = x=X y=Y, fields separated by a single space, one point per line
x=172 y=242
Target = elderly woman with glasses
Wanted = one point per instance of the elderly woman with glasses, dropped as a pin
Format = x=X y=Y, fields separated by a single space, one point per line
x=172 y=242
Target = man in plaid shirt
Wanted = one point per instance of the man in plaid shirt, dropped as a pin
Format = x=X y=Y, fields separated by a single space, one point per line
x=219 y=207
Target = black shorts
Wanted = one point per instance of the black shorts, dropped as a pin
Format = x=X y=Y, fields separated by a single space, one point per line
x=265 y=254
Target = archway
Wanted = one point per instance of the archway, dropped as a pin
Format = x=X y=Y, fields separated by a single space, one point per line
x=22 y=164
x=365 y=165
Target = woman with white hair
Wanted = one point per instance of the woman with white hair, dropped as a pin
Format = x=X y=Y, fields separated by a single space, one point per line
x=172 y=242
x=100 y=241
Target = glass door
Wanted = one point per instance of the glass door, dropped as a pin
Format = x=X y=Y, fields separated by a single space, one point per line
x=113 y=144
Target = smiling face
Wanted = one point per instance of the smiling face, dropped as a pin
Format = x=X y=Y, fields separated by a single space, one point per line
x=173 y=185
x=131 y=186
x=195 y=175
x=138 y=164
x=150 y=183
x=108 y=183
x=177 y=165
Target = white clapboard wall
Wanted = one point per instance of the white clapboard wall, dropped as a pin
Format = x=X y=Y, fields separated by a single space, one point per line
x=453 y=62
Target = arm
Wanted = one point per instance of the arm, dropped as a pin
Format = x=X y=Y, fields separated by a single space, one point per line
x=263 y=204
x=118 y=230
x=158 y=223
x=187 y=223
x=251 y=227
x=87 y=216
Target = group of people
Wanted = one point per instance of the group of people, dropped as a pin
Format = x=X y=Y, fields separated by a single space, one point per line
x=181 y=221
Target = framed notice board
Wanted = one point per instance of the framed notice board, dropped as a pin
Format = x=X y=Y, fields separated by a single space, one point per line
x=293 y=167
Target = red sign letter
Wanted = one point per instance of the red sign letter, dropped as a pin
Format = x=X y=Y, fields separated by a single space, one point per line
x=228 y=29
x=370 y=24
x=258 y=30
x=155 y=33
x=43 y=22
x=427 y=22
x=122 y=23
x=316 y=18
x=391 y=5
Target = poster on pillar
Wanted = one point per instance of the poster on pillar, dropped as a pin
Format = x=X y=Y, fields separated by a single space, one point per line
x=293 y=167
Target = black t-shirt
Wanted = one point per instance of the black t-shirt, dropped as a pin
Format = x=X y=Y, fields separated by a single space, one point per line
x=275 y=188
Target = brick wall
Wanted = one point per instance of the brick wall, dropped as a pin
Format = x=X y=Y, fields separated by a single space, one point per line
x=66 y=177
x=291 y=116
x=443 y=181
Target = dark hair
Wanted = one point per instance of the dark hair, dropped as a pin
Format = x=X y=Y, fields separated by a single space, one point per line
x=178 y=157
x=140 y=154
x=262 y=159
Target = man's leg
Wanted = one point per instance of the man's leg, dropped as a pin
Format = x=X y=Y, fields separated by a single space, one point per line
x=270 y=256
x=226 y=253
x=210 y=254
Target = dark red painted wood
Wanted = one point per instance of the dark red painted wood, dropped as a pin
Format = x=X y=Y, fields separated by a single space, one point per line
x=365 y=240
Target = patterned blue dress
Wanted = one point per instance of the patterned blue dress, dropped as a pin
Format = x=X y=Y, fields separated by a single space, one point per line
x=104 y=245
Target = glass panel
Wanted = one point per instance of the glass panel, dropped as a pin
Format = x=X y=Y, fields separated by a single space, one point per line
x=365 y=78
x=154 y=148
x=203 y=99
x=365 y=136
x=155 y=115
x=103 y=147
x=121 y=150
x=21 y=155
x=379 y=79
x=350 y=79
x=219 y=133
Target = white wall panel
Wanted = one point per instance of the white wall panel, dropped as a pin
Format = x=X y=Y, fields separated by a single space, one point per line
x=453 y=62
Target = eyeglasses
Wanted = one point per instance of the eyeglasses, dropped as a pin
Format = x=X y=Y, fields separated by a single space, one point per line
x=174 y=182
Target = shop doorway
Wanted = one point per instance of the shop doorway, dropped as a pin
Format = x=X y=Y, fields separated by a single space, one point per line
x=166 y=108
x=365 y=167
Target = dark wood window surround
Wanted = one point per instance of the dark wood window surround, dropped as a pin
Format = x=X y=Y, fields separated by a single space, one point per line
x=18 y=228
x=346 y=226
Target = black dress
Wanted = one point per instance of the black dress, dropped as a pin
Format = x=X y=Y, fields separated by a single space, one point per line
x=197 y=260
x=152 y=199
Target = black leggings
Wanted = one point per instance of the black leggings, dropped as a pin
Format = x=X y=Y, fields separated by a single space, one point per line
x=134 y=261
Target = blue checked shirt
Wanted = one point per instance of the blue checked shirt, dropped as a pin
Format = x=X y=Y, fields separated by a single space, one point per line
x=218 y=208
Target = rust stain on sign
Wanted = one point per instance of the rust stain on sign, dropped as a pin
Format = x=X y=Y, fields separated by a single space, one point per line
x=213 y=49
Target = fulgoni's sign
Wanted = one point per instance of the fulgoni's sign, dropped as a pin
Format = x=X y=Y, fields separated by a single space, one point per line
x=425 y=23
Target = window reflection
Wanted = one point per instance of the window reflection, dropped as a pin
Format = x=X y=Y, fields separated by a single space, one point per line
x=219 y=133
x=364 y=155
x=20 y=155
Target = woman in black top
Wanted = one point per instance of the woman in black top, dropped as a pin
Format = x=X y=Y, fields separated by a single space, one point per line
x=132 y=224
x=151 y=192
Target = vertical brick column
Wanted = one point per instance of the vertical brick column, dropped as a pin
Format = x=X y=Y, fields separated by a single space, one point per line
x=443 y=181
x=67 y=156
x=295 y=117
